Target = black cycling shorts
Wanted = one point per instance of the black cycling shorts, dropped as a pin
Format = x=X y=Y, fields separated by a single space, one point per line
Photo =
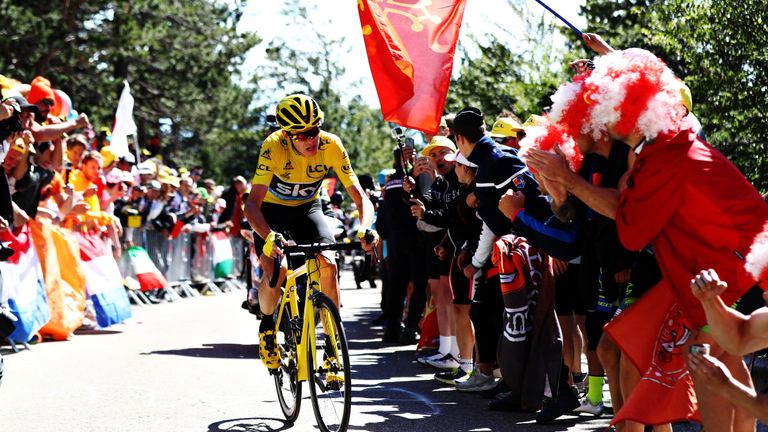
x=303 y=224
x=462 y=288
x=568 y=299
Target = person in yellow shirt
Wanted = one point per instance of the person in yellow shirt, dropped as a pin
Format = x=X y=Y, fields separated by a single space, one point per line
x=284 y=197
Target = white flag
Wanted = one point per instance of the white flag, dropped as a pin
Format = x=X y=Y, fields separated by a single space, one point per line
x=124 y=124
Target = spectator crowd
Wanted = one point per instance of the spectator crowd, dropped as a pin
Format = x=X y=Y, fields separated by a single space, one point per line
x=606 y=229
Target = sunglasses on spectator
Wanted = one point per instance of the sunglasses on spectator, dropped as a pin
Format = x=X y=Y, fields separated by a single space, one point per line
x=48 y=102
x=306 y=135
x=502 y=140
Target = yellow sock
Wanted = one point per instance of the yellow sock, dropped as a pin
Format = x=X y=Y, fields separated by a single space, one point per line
x=595 y=392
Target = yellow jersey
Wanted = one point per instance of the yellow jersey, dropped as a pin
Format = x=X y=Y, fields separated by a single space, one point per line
x=294 y=179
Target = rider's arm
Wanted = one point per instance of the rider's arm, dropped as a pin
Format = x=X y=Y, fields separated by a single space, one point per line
x=253 y=210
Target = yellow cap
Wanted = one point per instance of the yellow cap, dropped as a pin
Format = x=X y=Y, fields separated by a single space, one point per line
x=108 y=154
x=505 y=127
x=438 y=141
x=535 y=120
x=685 y=96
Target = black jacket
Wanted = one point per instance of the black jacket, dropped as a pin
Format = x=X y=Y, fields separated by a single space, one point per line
x=499 y=170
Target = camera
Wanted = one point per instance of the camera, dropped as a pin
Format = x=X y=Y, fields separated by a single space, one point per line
x=702 y=349
x=398 y=133
x=409 y=142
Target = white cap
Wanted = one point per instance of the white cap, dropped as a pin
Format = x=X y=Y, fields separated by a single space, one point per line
x=459 y=158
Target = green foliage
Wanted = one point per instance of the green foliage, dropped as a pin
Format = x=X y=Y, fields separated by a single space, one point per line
x=718 y=49
x=318 y=73
x=502 y=77
x=181 y=58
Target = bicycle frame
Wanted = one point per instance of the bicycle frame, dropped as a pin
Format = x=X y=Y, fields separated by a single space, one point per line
x=290 y=299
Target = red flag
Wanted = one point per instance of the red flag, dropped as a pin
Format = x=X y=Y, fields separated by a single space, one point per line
x=652 y=333
x=410 y=50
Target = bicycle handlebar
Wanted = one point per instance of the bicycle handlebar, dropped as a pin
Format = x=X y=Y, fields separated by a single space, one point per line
x=308 y=249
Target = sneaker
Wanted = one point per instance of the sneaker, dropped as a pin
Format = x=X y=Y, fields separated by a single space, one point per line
x=504 y=401
x=589 y=408
x=446 y=362
x=565 y=403
x=450 y=377
x=500 y=387
x=425 y=359
x=268 y=349
x=477 y=383
x=580 y=382
x=409 y=336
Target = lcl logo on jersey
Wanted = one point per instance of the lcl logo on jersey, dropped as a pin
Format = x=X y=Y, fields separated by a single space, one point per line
x=293 y=191
x=316 y=171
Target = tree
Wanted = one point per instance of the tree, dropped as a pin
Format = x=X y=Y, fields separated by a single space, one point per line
x=182 y=59
x=718 y=49
x=317 y=72
x=502 y=78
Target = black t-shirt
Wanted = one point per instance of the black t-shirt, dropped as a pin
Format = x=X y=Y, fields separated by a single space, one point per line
x=603 y=253
x=29 y=188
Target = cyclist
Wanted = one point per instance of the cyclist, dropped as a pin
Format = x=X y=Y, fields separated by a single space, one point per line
x=284 y=197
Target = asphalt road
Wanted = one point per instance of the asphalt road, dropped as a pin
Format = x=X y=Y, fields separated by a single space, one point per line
x=193 y=366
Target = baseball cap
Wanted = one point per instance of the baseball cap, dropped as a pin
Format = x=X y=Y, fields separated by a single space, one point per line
x=41 y=91
x=129 y=158
x=460 y=159
x=154 y=185
x=108 y=154
x=115 y=175
x=438 y=141
x=23 y=103
x=468 y=121
x=505 y=127
x=145 y=168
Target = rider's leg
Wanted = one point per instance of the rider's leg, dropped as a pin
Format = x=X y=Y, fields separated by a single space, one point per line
x=268 y=296
x=328 y=272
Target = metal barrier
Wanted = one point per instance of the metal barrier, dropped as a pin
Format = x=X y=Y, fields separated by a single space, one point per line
x=186 y=261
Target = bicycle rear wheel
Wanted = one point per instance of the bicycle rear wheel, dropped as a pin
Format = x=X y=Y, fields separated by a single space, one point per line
x=286 y=376
x=330 y=383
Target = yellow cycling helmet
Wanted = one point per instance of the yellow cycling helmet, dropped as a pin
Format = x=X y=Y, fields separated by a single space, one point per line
x=298 y=112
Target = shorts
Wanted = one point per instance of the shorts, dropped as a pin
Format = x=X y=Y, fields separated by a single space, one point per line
x=568 y=299
x=435 y=267
x=303 y=224
x=595 y=322
x=462 y=288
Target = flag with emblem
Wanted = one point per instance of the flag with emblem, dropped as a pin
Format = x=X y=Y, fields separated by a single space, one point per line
x=410 y=49
x=652 y=333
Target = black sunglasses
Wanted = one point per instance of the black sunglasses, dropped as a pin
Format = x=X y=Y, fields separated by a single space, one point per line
x=306 y=135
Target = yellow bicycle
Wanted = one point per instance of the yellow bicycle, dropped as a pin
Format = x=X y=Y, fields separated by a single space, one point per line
x=312 y=344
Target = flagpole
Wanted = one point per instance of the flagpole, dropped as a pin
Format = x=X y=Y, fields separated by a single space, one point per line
x=136 y=148
x=573 y=27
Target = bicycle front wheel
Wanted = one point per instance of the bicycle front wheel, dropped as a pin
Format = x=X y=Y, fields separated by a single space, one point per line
x=287 y=375
x=330 y=383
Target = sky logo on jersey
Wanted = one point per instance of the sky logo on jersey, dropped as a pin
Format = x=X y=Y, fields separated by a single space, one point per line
x=293 y=191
